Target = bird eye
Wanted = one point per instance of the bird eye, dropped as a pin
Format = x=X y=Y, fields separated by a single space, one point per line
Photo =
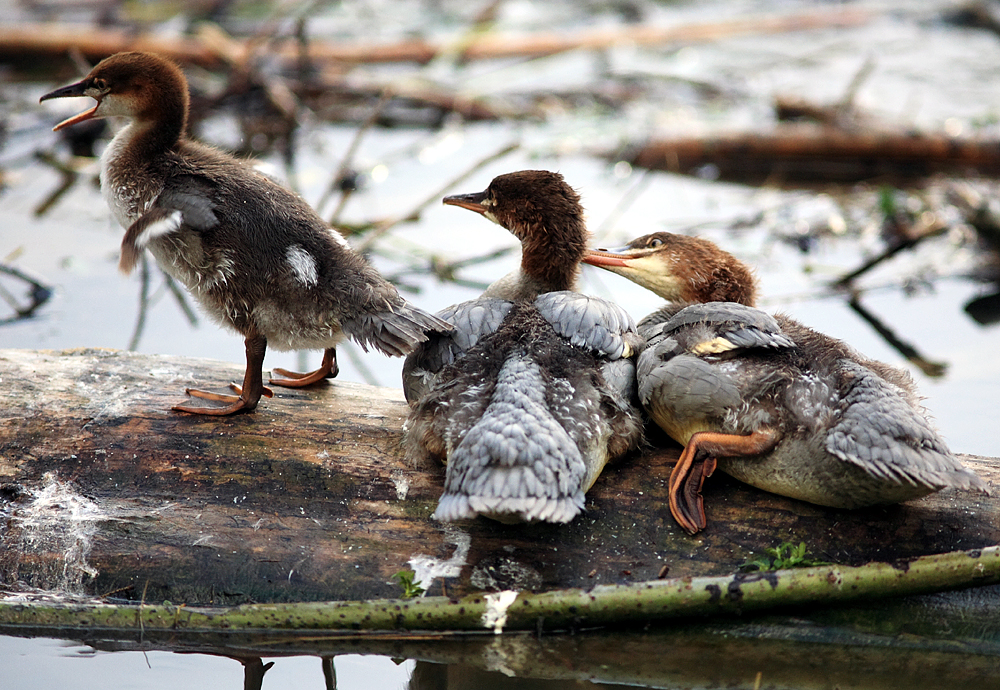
x=655 y=242
x=100 y=84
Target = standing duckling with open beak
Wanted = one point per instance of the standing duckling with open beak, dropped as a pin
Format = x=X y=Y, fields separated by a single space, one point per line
x=531 y=394
x=771 y=402
x=254 y=255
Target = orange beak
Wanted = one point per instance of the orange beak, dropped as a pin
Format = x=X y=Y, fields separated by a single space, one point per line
x=73 y=90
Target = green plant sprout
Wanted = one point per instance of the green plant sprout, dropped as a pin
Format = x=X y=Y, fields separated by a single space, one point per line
x=410 y=587
x=782 y=557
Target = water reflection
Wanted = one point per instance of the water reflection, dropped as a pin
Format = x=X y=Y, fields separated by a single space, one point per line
x=23 y=294
x=769 y=653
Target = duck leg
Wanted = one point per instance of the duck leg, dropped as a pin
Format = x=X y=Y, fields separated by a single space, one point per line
x=697 y=463
x=247 y=395
x=293 y=379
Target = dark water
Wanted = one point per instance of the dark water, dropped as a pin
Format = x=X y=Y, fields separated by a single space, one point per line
x=925 y=74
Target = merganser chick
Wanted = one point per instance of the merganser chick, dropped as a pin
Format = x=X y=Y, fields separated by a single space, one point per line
x=254 y=255
x=771 y=402
x=532 y=393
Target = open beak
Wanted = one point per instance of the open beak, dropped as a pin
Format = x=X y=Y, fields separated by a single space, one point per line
x=473 y=202
x=78 y=89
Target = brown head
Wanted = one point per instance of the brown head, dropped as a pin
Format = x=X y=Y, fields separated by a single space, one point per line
x=680 y=269
x=147 y=88
x=544 y=213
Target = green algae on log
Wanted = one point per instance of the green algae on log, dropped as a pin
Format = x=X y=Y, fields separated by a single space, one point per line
x=559 y=609
x=104 y=492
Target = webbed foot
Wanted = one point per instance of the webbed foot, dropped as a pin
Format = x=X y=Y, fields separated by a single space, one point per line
x=293 y=379
x=698 y=462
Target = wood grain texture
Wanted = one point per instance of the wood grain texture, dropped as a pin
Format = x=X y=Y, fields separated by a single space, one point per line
x=105 y=490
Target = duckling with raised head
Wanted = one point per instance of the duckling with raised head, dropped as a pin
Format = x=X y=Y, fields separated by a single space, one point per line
x=256 y=257
x=769 y=401
x=532 y=393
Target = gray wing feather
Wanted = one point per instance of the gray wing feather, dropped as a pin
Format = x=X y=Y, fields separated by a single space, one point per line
x=590 y=322
x=515 y=459
x=472 y=321
x=745 y=327
x=884 y=435
x=682 y=385
x=188 y=205
x=194 y=202
x=619 y=374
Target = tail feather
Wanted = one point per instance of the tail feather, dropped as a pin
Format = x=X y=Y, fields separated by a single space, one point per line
x=883 y=434
x=454 y=506
x=396 y=332
x=515 y=463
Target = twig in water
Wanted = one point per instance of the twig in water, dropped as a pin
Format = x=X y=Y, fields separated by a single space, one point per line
x=39 y=294
x=928 y=227
x=140 y=319
x=138 y=614
x=348 y=157
x=623 y=205
x=67 y=179
x=656 y=600
x=445 y=271
x=254 y=669
x=359 y=364
x=387 y=225
x=329 y=673
x=146 y=301
x=181 y=299
x=846 y=102
x=932 y=369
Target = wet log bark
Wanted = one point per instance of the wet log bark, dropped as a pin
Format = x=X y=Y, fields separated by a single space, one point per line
x=104 y=490
x=55 y=40
x=810 y=155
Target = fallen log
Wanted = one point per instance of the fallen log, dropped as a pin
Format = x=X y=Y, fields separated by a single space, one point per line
x=24 y=40
x=108 y=493
x=810 y=155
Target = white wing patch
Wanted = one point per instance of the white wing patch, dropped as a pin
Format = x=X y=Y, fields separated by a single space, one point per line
x=303 y=265
x=158 y=228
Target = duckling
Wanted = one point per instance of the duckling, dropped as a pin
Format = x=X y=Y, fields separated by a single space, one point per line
x=254 y=255
x=532 y=393
x=769 y=401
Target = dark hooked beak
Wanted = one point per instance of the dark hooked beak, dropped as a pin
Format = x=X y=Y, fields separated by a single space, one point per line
x=473 y=202
x=77 y=89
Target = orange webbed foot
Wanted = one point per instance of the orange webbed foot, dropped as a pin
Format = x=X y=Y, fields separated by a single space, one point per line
x=234 y=403
x=698 y=462
x=686 y=502
x=293 y=379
